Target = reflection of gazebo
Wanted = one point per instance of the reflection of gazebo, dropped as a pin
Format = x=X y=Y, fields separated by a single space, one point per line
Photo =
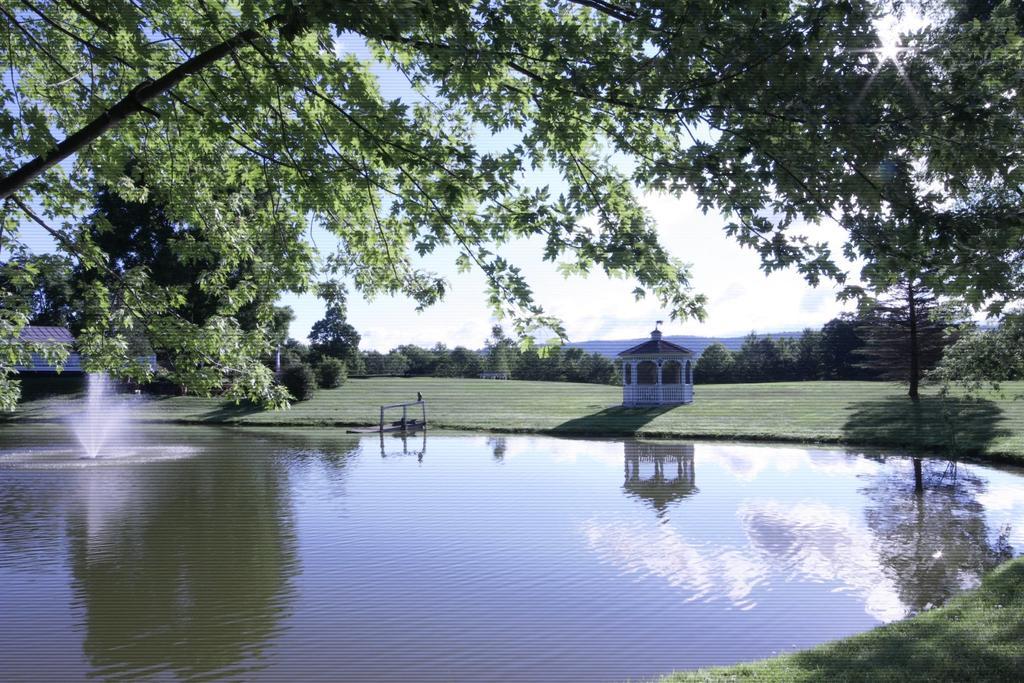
x=659 y=473
x=656 y=373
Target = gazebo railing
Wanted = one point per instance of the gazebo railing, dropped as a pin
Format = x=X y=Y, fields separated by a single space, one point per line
x=642 y=394
x=672 y=393
x=647 y=393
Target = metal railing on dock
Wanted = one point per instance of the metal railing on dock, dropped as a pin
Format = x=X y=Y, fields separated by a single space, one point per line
x=404 y=424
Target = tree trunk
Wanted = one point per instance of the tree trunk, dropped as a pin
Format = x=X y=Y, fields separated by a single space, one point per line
x=918 y=479
x=915 y=351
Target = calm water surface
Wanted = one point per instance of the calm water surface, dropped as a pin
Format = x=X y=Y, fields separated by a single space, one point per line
x=257 y=554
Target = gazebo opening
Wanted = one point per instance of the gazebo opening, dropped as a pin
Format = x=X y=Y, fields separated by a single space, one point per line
x=672 y=372
x=647 y=373
x=656 y=373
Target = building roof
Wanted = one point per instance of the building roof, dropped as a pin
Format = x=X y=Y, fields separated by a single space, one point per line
x=656 y=346
x=47 y=334
x=42 y=333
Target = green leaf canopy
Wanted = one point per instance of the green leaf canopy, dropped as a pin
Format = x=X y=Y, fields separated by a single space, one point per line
x=252 y=120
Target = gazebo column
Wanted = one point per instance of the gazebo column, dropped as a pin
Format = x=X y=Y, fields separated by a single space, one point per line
x=636 y=380
x=627 y=382
x=687 y=369
x=659 y=397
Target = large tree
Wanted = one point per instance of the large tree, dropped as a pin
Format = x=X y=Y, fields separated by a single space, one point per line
x=904 y=333
x=466 y=362
x=501 y=352
x=203 y=281
x=49 y=294
x=760 y=359
x=840 y=340
x=983 y=357
x=252 y=117
x=334 y=337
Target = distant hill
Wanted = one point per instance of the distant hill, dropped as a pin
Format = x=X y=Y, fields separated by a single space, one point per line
x=609 y=348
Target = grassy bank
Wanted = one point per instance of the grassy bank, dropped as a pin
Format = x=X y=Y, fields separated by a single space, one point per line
x=978 y=636
x=859 y=413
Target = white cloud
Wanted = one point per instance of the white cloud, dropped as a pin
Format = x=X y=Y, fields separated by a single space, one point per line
x=567 y=451
x=807 y=542
x=746 y=463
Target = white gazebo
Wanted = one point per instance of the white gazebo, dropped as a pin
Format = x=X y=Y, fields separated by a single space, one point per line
x=656 y=373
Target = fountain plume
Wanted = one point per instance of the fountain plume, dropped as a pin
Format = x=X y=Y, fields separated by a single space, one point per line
x=106 y=420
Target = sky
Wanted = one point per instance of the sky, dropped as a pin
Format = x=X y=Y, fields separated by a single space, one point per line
x=741 y=298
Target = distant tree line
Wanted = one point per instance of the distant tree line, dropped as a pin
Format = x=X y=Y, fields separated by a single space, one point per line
x=500 y=354
x=831 y=353
x=905 y=334
x=901 y=336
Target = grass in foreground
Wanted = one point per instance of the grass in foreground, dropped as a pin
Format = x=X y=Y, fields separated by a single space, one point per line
x=858 y=413
x=978 y=636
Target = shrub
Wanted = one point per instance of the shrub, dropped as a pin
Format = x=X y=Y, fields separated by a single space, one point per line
x=300 y=381
x=331 y=373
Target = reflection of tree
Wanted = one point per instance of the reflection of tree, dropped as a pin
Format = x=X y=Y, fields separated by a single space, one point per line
x=935 y=543
x=29 y=533
x=659 y=474
x=323 y=444
x=181 y=567
x=192 y=573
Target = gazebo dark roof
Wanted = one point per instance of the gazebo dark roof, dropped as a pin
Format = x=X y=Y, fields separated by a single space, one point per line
x=655 y=346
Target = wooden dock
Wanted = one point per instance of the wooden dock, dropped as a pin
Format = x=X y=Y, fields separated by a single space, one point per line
x=411 y=426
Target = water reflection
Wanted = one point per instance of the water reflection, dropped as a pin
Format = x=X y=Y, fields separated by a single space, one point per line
x=820 y=543
x=933 y=539
x=903 y=550
x=180 y=567
x=175 y=577
x=647 y=478
x=499 y=446
x=30 y=533
x=498 y=558
x=410 y=445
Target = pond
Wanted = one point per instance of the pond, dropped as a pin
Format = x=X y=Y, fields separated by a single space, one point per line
x=256 y=554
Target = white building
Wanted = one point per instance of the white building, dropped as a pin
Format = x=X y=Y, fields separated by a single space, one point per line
x=47 y=335
x=656 y=373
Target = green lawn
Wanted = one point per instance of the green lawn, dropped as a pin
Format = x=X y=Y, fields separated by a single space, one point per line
x=858 y=413
x=978 y=636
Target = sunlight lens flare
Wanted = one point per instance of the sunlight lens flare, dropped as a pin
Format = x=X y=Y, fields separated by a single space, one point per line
x=889 y=51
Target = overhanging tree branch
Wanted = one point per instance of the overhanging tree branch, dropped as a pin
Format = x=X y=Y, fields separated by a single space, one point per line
x=132 y=103
x=610 y=9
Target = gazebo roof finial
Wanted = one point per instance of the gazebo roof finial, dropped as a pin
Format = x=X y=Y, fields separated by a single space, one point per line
x=656 y=333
